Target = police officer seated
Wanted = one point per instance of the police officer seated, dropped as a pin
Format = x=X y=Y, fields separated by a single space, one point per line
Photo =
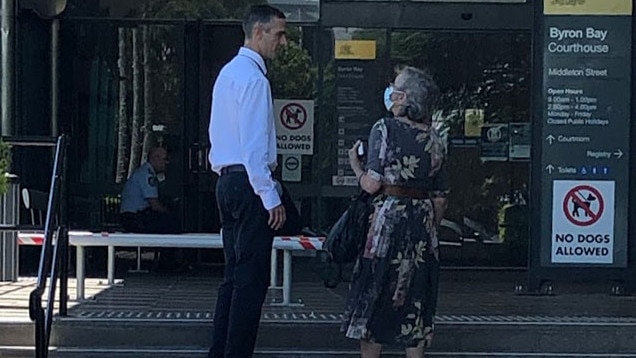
x=141 y=209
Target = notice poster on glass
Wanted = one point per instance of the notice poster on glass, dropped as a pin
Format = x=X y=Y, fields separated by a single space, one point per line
x=519 y=141
x=473 y=121
x=357 y=103
x=494 y=142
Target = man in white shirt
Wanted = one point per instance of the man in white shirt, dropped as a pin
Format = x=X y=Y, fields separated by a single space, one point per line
x=243 y=152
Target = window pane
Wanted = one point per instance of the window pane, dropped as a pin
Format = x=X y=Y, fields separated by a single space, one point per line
x=123 y=92
x=484 y=114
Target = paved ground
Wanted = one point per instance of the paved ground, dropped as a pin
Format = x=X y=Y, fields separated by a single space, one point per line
x=192 y=295
x=14 y=296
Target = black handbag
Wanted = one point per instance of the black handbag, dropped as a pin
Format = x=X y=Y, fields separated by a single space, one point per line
x=348 y=235
x=293 y=223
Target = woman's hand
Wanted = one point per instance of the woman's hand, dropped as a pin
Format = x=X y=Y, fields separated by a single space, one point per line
x=367 y=184
x=354 y=161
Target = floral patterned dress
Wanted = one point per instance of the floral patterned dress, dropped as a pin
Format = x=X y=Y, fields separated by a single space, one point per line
x=393 y=293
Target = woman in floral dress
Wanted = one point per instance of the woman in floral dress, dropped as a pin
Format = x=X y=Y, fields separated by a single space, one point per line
x=393 y=293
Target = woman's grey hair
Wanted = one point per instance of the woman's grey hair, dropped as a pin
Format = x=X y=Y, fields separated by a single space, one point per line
x=421 y=94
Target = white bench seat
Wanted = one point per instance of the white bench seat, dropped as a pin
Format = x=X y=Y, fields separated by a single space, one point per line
x=83 y=239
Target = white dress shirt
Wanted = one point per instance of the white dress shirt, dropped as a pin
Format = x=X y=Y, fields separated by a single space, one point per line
x=242 y=128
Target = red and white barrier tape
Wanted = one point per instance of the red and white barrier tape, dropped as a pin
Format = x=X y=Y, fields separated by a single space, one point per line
x=30 y=238
x=304 y=242
x=287 y=242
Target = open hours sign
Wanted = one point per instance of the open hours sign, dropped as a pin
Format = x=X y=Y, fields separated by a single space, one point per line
x=583 y=222
x=294 y=126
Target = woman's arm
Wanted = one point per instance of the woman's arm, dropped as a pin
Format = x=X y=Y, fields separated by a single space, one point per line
x=367 y=183
x=369 y=175
x=439 y=205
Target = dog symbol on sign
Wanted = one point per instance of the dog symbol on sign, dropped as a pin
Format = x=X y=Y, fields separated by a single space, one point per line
x=583 y=204
x=587 y=199
x=293 y=116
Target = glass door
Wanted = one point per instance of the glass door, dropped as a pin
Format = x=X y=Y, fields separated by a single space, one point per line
x=122 y=94
x=483 y=115
x=216 y=44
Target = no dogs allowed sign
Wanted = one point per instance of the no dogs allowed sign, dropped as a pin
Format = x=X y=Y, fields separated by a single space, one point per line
x=583 y=222
x=294 y=126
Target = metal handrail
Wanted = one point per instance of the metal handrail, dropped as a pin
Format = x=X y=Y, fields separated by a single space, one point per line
x=52 y=261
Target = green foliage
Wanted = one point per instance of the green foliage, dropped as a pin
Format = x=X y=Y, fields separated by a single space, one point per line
x=199 y=9
x=187 y=9
x=5 y=165
x=161 y=9
x=294 y=34
x=411 y=47
x=292 y=74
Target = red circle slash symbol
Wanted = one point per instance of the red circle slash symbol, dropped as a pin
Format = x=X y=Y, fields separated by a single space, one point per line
x=293 y=116
x=579 y=205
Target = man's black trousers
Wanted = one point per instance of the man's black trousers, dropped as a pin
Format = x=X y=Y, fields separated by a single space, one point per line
x=247 y=245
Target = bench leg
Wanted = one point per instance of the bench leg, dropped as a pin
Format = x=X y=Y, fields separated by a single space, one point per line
x=138 y=258
x=287 y=281
x=111 y=265
x=273 y=272
x=79 y=273
x=287 y=276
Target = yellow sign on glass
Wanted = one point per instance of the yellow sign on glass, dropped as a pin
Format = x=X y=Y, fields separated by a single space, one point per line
x=587 y=7
x=355 y=50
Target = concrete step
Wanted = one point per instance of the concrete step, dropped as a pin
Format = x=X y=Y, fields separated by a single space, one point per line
x=479 y=335
x=584 y=336
x=28 y=352
x=17 y=333
x=17 y=352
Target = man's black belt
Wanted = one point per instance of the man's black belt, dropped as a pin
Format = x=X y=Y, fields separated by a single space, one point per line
x=236 y=168
x=140 y=212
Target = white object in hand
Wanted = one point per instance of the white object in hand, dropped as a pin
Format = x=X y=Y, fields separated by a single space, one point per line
x=360 y=150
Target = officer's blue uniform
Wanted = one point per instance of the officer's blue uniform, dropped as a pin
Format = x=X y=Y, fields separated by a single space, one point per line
x=141 y=186
x=136 y=214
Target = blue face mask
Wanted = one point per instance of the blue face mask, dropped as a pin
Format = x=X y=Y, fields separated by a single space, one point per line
x=387 y=98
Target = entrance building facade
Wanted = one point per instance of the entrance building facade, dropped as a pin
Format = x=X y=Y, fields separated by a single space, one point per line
x=135 y=75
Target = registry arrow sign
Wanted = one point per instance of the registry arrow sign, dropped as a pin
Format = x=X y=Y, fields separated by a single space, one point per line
x=618 y=153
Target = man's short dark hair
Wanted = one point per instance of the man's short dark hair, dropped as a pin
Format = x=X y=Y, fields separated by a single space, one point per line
x=260 y=14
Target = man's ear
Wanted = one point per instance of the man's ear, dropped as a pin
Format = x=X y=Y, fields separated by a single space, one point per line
x=257 y=30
